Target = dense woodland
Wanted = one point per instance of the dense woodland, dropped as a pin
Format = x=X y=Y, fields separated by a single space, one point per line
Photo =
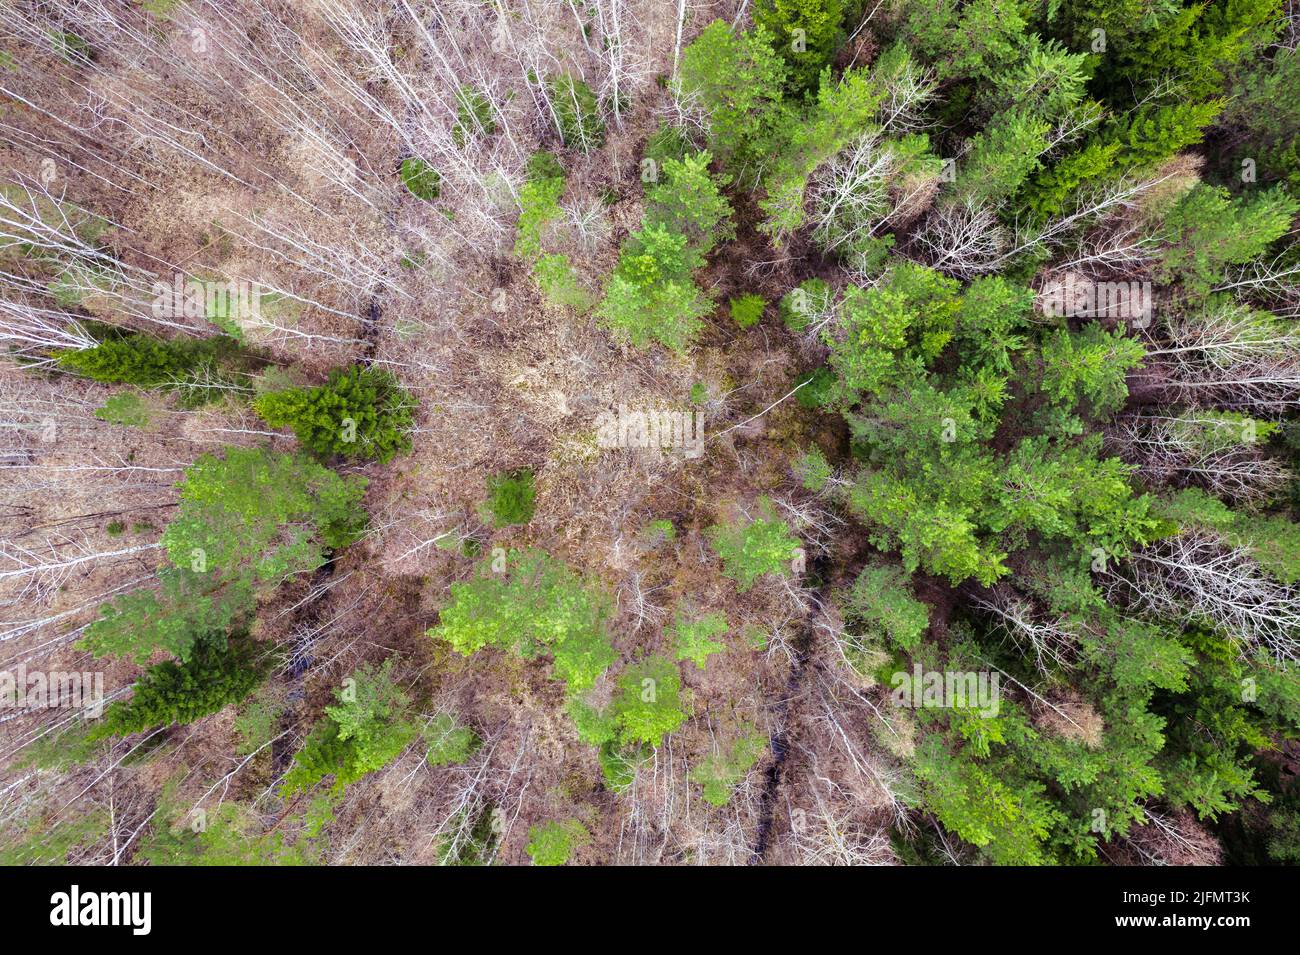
x=967 y=330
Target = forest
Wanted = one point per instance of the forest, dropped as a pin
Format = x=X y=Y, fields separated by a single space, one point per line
x=649 y=432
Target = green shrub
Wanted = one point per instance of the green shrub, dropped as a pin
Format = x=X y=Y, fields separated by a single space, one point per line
x=553 y=842
x=751 y=551
x=576 y=113
x=534 y=605
x=693 y=639
x=359 y=413
x=363 y=733
x=647 y=704
x=747 y=310
x=423 y=181
x=722 y=771
x=511 y=497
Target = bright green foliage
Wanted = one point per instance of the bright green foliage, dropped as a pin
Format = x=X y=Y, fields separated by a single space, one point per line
x=1009 y=821
x=1090 y=365
x=1052 y=187
x=229 y=836
x=186 y=608
x=359 y=413
x=423 y=181
x=594 y=727
x=928 y=529
x=1214 y=727
x=553 y=842
x=1045 y=81
x=693 y=639
x=992 y=321
x=892 y=331
x=1153 y=134
x=218 y=672
x=762 y=546
x=449 y=742
x=511 y=497
x=688 y=202
x=843 y=111
x=127 y=409
x=367 y=729
x=475 y=116
x=535 y=605
x=736 y=81
x=721 y=772
x=262 y=514
x=246 y=519
x=1213 y=231
x=651 y=295
x=647 y=704
x=804 y=32
x=539 y=203
x=747 y=309
x=576 y=113
x=1068 y=491
x=1002 y=157
x=658 y=531
x=558 y=281
x=882 y=599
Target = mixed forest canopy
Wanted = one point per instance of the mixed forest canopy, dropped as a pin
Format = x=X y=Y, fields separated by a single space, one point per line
x=623 y=431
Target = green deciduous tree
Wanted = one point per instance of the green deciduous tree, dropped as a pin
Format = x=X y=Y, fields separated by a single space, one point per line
x=891 y=331
x=693 y=639
x=262 y=514
x=688 y=201
x=647 y=704
x=553 y=842
x=651 y=296
x=753 y=549
x=534 y=605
